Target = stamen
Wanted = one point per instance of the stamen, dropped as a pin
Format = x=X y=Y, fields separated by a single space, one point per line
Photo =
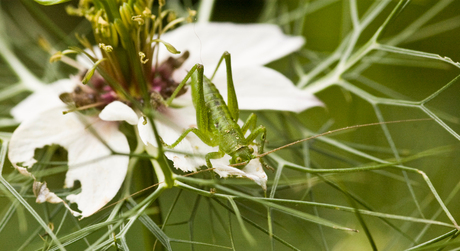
x=85 y=107
x=191 y=15
x=139 y=19
x=56 y=57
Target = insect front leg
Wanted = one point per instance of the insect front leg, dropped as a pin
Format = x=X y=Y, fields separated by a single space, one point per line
x=203 y=137
x=202 y=131
x=202 y=115
x=250 y=124
x=202 y=118
x=261 y=130
x=213 y=155
x=183 y=83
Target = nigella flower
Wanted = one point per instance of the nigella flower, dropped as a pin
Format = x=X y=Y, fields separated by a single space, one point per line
x=89 y=129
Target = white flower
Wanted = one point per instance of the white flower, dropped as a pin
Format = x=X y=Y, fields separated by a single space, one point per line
x=86 y=137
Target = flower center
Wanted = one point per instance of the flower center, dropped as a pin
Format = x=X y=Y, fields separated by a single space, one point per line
x=162 y=83
x=97 y=93
x=129 y=37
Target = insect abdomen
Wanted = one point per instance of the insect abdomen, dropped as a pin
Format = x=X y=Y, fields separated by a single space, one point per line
x=221 y=121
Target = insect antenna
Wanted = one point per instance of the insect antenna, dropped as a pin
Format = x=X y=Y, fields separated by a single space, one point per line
x=338 y=130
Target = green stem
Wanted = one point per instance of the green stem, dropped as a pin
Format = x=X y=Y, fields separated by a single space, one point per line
x=160 y=163
x=205 y=11
x=27 y=79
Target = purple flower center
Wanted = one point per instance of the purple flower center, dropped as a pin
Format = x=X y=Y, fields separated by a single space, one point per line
x=97 y=93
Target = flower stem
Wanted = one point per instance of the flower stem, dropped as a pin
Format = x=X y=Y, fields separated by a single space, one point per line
x=205 y=11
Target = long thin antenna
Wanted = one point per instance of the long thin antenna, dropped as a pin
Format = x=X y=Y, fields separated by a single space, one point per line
x=338 y=130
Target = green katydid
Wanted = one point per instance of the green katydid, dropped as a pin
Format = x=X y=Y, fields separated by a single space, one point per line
x=217 y=121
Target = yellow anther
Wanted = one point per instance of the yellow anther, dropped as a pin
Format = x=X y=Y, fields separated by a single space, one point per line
x=142 y=57
x=44 y=44
x=147 y=12
x=101 y=21
x=191 y=15
x=139 y=19
x=106 y=48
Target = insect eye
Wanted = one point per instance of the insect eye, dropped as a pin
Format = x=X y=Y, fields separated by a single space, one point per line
x=239 y=159
x=251 y=150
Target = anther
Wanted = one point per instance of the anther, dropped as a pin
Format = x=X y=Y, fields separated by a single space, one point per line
x=106 y=48
x=138 y=19
x=142 y=57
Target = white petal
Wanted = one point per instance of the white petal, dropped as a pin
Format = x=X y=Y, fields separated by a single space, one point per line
x=100 y=173
x=118 y=111
x=43 y=100
x=253 y=170
x=172 y=123
x=261 y=88
x=181 y=118
x=249 y=44
x=146 y=132
x=184 y=155
x=171 y=127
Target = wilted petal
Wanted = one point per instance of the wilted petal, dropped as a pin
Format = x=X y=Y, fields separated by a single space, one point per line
x=43 y=194
x=261 y=88
x=249 y=44
x=43 y=100
x=118 y=111
x=90 y=161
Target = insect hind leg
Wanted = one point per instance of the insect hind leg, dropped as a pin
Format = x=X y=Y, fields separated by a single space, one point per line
x=232 y=102
x=249 y=124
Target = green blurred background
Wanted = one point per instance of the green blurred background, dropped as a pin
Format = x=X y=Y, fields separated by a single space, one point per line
x=402 y=77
